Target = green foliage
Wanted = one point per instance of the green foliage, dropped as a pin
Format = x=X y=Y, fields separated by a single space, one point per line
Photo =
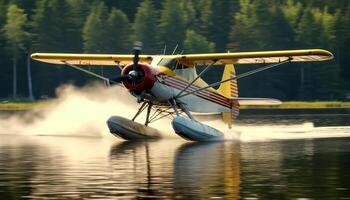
x=196 y=25
x=106 y=33
x=50 y=24
x=14 y=29
x=145 y=27
x=172 y=24
x=221 y=22
x=243 y=32
x=94 y=41
x=196 y=43
x=343 y=43
x=2 y=22
x=117 y=32
x=16 y=36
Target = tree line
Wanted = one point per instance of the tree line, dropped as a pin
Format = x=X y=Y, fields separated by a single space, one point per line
x=196 y=26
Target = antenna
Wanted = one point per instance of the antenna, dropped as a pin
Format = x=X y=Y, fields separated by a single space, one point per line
x=177 y=45
x=164 y=51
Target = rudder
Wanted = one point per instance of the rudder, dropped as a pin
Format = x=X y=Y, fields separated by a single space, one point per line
x=229 y=90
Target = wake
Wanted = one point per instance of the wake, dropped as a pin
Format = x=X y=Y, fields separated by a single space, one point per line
x=83 y=112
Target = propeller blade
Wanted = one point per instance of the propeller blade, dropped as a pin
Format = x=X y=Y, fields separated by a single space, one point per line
x=137 y=50
x=119 y=79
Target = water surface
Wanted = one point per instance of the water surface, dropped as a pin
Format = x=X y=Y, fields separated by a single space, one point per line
x=302 y=167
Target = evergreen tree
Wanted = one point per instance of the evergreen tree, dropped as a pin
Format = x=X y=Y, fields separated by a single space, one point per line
x=292 y=11
x=343 y=44
x=145 y=27
x=221 y=22
x=237 y=25
x=2 y=23
x=50 y=23
x=190 y=12
x=94 y=29
x=106 y=33
x=117 y=38
x=172 y=24
x=243 y=31
x=4 y=60
x=16 y=36
x=27 y=5
x=196 y=43
x=127 y=6
x=307 y=31
x=205 y=16
x=78 y=10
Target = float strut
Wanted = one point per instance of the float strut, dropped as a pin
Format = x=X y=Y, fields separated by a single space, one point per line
x=148 y=112
x=172 y=102
x=140 y=110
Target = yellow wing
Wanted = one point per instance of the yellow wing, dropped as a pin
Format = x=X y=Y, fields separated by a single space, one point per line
x=190 y=60
x=259 y=57
x=88 y=59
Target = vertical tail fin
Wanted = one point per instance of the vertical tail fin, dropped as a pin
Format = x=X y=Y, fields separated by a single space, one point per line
x=230 y=90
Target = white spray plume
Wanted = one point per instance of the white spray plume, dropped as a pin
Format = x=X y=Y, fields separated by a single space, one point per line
x=84 y=111
x=77 y=112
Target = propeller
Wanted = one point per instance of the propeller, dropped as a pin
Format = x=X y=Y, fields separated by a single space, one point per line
x=134 y=75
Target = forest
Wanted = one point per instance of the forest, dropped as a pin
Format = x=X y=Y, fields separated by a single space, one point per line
x=196 y=26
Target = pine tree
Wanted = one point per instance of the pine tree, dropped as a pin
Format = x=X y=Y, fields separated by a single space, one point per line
x=191 y=14
x=117 y=38
x=50 y=23
x=16 y=36
x=196 y=43
x=243 y=31
x=2 y=22
x=145 y=27
x=106 y=33
x=205 y=17
x=127 y=6
x=94 y=29
x=292 y=11
x=78 y=10
x=221 y=22
x=172 y=24
x=343 y=44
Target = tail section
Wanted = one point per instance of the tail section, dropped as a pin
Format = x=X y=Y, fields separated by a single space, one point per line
x=230 y=90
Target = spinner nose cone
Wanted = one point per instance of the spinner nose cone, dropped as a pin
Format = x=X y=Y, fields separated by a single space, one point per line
x=133 y=74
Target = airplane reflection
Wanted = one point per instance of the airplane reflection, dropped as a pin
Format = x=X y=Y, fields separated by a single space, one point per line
x=208 y=170
x=186 y=170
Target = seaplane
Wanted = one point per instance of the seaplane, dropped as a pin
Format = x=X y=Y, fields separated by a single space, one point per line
x=170 y=86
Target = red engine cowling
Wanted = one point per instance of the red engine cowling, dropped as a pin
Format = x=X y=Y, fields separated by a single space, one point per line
x=144 y=82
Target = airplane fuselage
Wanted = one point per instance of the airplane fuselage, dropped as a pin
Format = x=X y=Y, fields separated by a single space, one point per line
x=165 y=84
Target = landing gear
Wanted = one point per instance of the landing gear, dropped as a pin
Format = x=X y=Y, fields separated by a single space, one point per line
x=184 y=125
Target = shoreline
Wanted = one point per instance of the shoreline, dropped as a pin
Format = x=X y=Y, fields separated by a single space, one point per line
x=23 y=106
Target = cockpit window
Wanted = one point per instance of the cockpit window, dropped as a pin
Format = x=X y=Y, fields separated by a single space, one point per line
x=187 y=73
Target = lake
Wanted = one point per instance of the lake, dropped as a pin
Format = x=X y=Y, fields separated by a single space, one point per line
x=270 y=154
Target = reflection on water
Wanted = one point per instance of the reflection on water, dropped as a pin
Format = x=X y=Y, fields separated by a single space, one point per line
x=318 y=117
x=47 y=167
x=37 y=167
x=207 y=170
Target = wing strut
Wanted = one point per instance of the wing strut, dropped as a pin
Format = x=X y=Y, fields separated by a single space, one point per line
x=194 y=80
x=237 y=77
x=107 y=80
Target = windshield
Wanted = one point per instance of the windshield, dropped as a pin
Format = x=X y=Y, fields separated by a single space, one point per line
x=187 y=73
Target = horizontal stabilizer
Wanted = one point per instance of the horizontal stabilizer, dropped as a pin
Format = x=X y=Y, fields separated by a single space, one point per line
x=257 y=101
